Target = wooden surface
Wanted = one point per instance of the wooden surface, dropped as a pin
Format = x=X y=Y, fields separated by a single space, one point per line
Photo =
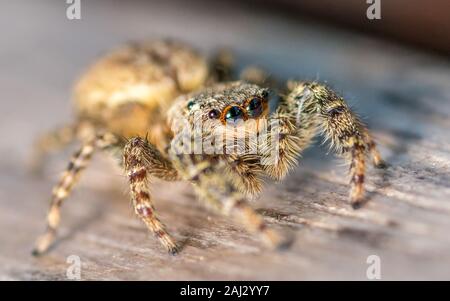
x=403 y=95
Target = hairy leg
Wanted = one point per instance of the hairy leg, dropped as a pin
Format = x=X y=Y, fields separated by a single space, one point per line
x=283 y=142
x=214 y=185
x=141 y=160
x=67 y=181
x=321 y=107
x=246 y=173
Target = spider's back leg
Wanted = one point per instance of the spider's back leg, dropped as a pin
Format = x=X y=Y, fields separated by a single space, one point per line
x=65 y=185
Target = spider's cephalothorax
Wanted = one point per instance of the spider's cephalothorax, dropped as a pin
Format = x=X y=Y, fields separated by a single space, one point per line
x=139 y=100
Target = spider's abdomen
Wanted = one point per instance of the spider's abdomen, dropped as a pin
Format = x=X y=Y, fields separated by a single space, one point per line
x=129 y=90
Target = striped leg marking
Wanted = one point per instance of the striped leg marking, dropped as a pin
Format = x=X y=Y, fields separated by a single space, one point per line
x=137 y=167
x=345 y=131
x=60 y=192
x=66 y=183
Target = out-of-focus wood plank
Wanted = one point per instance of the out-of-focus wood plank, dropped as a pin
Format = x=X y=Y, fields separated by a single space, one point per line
x=403 y=95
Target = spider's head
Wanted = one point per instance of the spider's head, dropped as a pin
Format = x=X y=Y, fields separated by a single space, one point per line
x=232 y=104
x=233 y=112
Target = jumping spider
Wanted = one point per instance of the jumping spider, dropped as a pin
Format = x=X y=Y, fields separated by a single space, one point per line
x=127 y=102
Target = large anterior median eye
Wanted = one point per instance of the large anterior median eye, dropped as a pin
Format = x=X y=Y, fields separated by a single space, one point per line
x=233 y=113
x=254 y=107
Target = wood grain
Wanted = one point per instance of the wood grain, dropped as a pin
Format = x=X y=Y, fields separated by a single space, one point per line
x=403 y=95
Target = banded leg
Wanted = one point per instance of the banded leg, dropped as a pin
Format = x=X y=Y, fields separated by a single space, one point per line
x=376 y=156
x=214 y=185
x=62 y=190
x=347 y=134
x=49 y=142
x=140 y=161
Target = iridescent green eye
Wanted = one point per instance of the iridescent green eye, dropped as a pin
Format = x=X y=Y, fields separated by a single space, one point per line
x=254 y=107
x=190 y=104
x=234 y=113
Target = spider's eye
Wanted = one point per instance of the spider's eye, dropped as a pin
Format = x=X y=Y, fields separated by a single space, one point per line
x=190 y=105
x=234 y=113
x=254 y=107
x=213 y=114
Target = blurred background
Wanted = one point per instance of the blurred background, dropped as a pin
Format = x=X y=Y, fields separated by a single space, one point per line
x=395 y=71
x=415 y=22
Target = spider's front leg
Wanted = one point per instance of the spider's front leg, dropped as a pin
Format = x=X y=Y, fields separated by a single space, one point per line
x=142 y=160
x=214 y=185
x=312 y=106
x=67 y=181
